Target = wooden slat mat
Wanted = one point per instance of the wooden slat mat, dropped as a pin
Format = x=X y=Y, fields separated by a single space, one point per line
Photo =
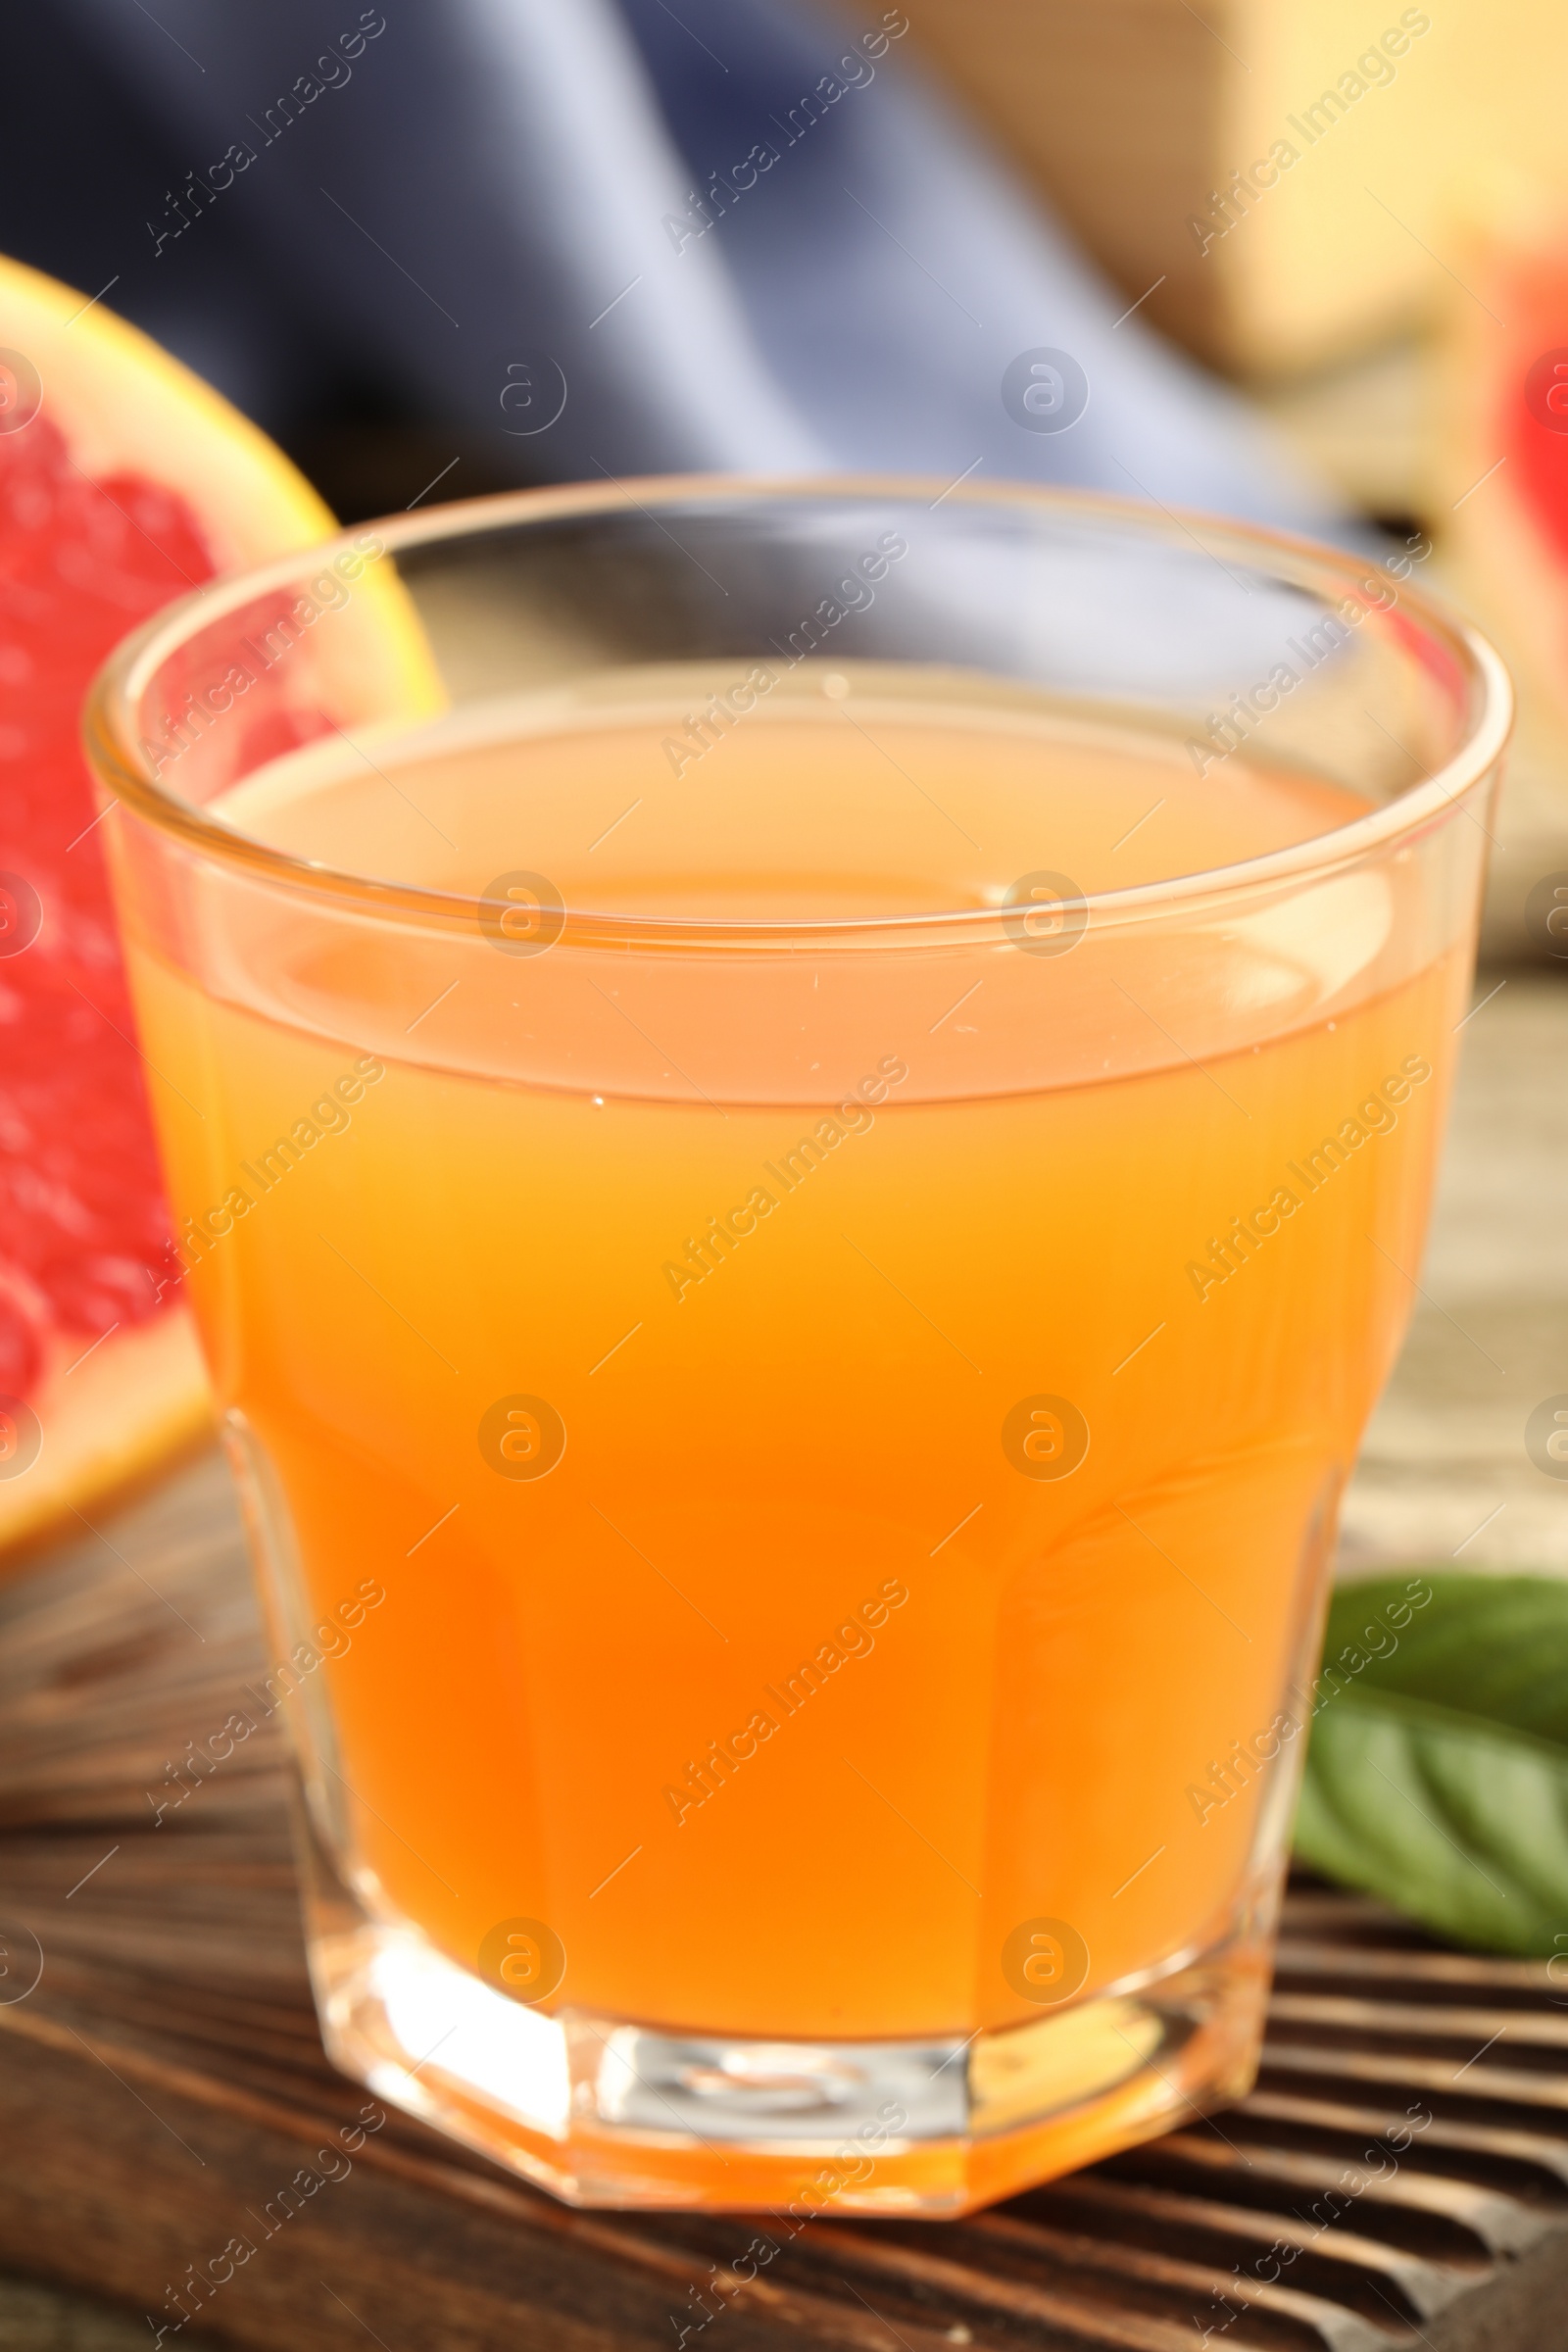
x=164 y=2080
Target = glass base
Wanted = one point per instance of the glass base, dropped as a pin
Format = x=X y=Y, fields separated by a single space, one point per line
x=602 y=2111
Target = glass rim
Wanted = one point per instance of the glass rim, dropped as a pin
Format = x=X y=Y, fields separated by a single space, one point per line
x=115 y=755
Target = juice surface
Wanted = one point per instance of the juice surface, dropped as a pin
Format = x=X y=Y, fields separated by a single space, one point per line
x=792 y=1690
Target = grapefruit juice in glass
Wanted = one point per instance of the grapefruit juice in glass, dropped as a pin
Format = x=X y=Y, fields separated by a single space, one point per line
x=803 y=1125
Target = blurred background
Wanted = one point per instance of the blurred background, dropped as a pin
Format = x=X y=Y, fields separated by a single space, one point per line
x=1304 y=265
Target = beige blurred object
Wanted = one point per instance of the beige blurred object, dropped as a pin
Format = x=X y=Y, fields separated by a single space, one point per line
x=1435 y=427
x=1145 y=122
x=1368 y=425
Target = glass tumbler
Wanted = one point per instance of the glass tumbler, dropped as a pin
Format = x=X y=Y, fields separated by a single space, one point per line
x=801 y=1118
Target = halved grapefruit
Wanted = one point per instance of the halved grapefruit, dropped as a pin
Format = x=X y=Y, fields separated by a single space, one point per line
x=1504 y=457
x=125 y=481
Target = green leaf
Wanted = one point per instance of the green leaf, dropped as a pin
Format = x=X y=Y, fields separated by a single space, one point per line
x=1438 y=1771
x=1489 y=1646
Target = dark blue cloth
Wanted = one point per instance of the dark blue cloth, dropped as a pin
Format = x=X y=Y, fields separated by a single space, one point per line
x=738 y=233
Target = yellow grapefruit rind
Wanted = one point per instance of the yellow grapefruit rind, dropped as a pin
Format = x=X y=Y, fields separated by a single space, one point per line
x=110 y=1419
x=125 y=406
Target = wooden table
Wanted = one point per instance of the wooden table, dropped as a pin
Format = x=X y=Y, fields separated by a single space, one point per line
x=1443 y=1475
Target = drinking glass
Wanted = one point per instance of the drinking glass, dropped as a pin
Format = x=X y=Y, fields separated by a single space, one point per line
x=801 y=1116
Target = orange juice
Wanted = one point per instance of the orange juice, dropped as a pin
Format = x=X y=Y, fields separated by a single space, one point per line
x=825 y=1527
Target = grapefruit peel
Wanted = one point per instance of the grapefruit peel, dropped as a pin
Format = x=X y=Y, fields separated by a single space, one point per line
x=197 y=490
